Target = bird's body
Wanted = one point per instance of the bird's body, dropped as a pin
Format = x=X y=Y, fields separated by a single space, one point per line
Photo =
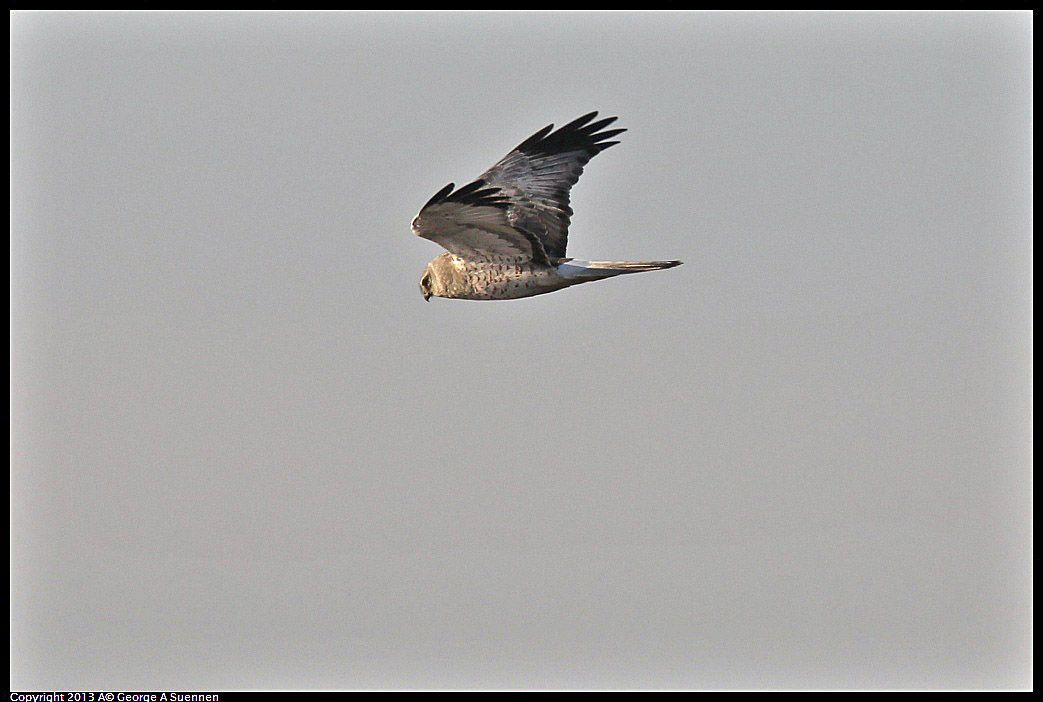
x=492 y=278
x=505 y=233
x=513 y=277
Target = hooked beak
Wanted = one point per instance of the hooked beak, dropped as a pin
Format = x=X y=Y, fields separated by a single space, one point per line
x=427 y=297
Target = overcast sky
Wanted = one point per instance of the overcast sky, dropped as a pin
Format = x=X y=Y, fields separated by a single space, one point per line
x=246 y=454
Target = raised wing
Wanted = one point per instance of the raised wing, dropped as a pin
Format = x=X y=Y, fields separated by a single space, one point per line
x=535 y=178
x=472 y=222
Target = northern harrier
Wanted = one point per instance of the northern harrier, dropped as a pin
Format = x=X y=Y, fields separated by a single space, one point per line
x=505 y=233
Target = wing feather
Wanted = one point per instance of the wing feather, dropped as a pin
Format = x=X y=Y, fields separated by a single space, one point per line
x=520 y=206
x=537 y=176
x=472 y=223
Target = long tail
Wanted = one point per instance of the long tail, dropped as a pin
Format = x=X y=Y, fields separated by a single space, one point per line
x=582 y=271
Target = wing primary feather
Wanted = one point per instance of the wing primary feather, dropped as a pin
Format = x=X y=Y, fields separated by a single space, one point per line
x=579 y=121
x=607 y=134
x=531 y=184
x=475 y=194
x=600 y=124
x=577 y=135
x=468 y=189
x=535 y=138
x=439 y=196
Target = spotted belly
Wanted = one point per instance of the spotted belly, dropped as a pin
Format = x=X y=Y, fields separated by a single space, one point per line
x=506 y=280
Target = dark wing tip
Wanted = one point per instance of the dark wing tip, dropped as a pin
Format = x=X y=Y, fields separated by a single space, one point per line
x=439 y=196
x=580 y=121
x=474 y=194
x=600 y=124
x=578 y=135
x=534 y=139
x=607 y=134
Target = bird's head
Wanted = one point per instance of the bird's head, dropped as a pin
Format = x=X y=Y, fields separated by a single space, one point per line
x=426 y=284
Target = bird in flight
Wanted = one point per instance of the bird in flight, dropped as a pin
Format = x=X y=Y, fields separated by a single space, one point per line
x=504 y=235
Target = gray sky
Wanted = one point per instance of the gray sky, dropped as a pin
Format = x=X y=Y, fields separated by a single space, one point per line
x=247 y=455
